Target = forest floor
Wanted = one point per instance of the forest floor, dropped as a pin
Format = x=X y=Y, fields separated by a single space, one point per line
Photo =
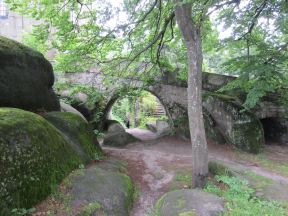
x=159 y=165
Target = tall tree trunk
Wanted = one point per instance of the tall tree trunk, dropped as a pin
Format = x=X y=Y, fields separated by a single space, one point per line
x=192 y=38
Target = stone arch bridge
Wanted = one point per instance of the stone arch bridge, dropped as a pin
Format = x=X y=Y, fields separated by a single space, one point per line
x=223 y=116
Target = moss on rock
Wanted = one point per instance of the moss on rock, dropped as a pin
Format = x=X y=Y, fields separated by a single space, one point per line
x=189 y=202
x=240 y=128
x=77 y=132
x=113 y=190
x=34 y=159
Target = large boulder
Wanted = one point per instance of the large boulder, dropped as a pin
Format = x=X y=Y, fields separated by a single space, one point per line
x=77 y=132
x=106 y=186
x=240 y=128
x=113 y=126
x=68 y=108
x=118 y=139
x=34 y=158
x=151 y=126
x=163 y=127
x=189 y=203
x=26 y=78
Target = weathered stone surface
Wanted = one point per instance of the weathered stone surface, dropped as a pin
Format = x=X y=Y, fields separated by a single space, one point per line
x=114 y=126
x=210 y=128
x=189 y=202
x=118 y=139
x=212 y=81
x=151 y=126
x=34 y=157
x=84 y=110
x=240 y=128
x=266 y=185
x=172 y=95
x=68 y=108
x=160 y=127
x=163 y=127
x=105 y=185
x=108 y=122
x=26 y=78
x=77 y=132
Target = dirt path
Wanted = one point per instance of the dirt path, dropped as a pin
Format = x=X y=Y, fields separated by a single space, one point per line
x=154 y=163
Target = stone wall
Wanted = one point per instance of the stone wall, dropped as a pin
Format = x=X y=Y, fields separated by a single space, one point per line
x=174 y=97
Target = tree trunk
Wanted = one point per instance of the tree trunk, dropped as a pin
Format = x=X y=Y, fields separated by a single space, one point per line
x=192 y=39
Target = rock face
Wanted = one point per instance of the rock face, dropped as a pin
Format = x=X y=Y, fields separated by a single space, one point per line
x=26 y=78
x=105 y=185
x=34 y=158
x=240 y=128
x=77 y=132
x=116 y=135
x=190 y=203
x=163 y=127
x=151 y=126
x=210 y=128
x=67 y=108
x=118 y=139
x=113 y=126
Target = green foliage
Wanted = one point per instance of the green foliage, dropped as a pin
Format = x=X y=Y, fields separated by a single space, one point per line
x=120 y=110
x=94 y=97
x=38 y=38
x=22 y=211
x=257 y=49
x=240 y=200
x=89 y=209
x=124 y=109
x=149 y=42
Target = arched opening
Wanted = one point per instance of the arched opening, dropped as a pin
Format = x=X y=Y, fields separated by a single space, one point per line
x=275 y=130
x=136 y=111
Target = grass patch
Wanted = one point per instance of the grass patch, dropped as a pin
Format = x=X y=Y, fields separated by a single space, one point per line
x=240 y=200
x=90 y=209
x=187 y=213
x=259 y=181
x=182 y=179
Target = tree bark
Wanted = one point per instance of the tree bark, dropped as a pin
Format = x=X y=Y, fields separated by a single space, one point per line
x=192 y=39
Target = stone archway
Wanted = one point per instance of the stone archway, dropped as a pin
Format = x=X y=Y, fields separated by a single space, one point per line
x=117 y=96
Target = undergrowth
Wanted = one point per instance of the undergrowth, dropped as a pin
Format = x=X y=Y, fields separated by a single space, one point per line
x=240 y=200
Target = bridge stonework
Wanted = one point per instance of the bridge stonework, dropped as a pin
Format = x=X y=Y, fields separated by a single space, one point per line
x=173 y=96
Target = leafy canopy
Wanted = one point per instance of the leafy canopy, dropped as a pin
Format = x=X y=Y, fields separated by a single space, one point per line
x=139 y=38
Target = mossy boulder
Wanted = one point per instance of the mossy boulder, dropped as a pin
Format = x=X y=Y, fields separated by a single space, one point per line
x=189 y=203
x=77 y=132
x=105 y=185
x=68 y=108
x=34 y=156
x=26 y=78
x=240 y=128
